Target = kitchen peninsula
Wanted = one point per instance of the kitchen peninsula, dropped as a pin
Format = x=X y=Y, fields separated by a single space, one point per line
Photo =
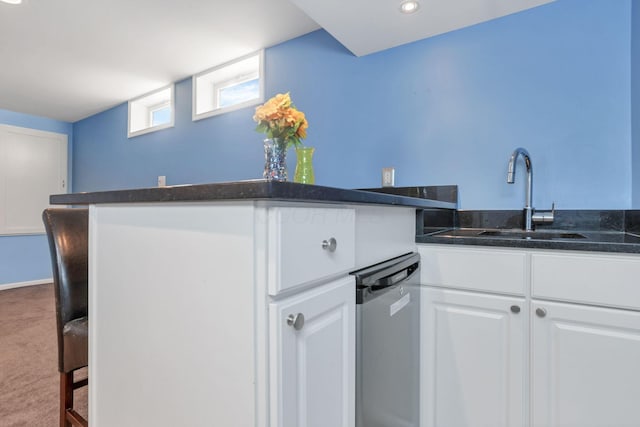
x=196 y=292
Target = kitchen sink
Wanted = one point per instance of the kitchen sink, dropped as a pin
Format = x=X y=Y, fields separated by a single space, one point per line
x=513 y=234
x=520 y=234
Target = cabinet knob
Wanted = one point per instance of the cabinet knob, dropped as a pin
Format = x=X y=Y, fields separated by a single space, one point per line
x=330 y=245
x=296 y=320
x=515 y=309
x=541 y=312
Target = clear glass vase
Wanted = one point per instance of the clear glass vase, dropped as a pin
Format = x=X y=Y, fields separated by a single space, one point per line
x=275 y=159
x=304 y=166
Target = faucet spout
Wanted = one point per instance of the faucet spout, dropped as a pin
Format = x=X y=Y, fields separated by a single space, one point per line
x=511 y=174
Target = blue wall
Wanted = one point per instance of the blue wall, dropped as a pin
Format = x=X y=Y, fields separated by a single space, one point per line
x=635 y=105
x=446 y=110
x=26 y=258
x=450 y=109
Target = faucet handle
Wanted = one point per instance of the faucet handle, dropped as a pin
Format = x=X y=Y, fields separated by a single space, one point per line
x=544 y=216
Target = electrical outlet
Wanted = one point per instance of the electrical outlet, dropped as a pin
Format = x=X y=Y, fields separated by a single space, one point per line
x=388 y=177
x=162 y=181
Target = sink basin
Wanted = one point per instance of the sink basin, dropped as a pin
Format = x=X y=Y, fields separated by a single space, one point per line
x=513 y=234
x=520 y=234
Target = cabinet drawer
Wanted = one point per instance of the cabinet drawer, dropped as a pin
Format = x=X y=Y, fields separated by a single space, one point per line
x=487 y=270
x=296 y=254
x=592 y=279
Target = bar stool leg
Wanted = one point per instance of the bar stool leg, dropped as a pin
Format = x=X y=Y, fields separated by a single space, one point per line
x=66 y=397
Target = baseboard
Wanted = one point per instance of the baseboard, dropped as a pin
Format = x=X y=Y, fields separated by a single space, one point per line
x=6 y=286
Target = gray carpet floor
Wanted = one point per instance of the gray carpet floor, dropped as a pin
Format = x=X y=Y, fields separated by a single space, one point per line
x=29 y=384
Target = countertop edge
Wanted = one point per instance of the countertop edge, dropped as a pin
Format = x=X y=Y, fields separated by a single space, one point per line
x=245 y=190
x=588 y=246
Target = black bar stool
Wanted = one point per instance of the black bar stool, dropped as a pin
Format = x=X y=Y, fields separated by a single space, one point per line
x=68 y=234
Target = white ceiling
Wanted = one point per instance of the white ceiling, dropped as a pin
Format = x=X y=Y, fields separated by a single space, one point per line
x=367 y=26
x=70 y=59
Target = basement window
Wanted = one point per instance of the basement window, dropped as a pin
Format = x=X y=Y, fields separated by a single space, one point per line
x=151 y=112
x=160 y=114
x=228 y=87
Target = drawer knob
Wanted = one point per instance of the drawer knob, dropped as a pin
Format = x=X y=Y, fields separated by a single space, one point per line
x=515 y=309
x=296 y=320
x=330 y=245
x=541 y=312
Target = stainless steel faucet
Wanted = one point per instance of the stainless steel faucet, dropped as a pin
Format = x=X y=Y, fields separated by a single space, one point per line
x=530 y=216
x=528 y=209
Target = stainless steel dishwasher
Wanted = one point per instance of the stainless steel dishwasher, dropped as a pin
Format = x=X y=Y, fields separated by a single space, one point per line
x=387 y=343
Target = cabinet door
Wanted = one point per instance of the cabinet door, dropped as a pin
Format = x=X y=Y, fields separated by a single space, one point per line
x=473 y=349
x=313 y=362
x=585 y=366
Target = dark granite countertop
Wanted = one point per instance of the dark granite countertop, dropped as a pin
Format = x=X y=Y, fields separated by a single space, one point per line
x=247 y=190
x=572 y=230
x=593 y=241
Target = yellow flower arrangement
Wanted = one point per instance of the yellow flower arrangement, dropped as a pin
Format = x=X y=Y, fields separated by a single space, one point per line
x=279 y=118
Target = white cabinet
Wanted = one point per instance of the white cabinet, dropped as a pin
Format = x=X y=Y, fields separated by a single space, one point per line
x=609 y=280
x=474 y=344
x=585 y=366
x=578 y=329
x=585 y=369
x=311 y=333
x=309 y=244
x=313 y=357
x=473 y=359
x=190 y=302
x=172 y=305
x=498 y=271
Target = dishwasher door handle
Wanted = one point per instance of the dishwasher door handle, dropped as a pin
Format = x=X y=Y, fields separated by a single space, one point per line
x=391 y=280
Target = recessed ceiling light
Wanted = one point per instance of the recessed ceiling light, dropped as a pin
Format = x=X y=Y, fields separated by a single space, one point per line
x=409 y=6
x=12 y=1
